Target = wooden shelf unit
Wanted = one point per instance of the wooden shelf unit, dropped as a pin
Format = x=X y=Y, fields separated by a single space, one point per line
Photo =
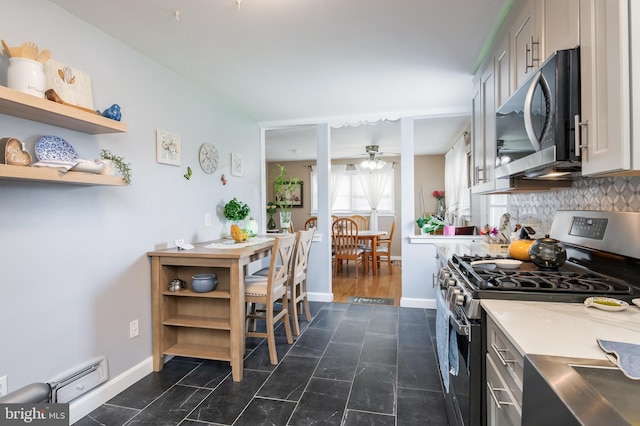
x=201 y=325
x=29 y=107
x=43 y=174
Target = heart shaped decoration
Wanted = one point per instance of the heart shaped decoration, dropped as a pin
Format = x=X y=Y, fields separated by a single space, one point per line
x=14 y=152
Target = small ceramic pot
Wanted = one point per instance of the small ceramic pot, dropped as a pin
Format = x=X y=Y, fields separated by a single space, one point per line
x=202 y=283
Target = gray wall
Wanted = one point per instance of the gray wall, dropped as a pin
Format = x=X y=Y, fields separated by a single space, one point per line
x=74 y=265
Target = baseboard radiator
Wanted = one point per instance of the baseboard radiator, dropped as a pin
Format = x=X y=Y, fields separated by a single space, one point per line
x=80 y=380
x=63 y=388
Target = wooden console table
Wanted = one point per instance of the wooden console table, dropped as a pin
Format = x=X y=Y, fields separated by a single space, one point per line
x=201 y=325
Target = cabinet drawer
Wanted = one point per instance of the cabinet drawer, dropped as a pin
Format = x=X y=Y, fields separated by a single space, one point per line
x=506 y=357
x=502 y=406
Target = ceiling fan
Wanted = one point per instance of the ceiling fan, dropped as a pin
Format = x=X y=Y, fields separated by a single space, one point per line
x=373 y=161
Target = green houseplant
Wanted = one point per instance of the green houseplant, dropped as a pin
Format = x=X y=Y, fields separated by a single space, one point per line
x=285 y=189
x=430 y=225
x=123 y=168
x=235 y=210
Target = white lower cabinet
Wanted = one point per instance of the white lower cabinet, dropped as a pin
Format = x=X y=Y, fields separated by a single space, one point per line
x=505 y=373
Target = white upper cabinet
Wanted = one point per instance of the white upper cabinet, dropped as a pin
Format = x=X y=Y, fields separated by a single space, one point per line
x=605 y=77
x=484 y=131
x=525 y=44
x=560 y=24
x=503 y=72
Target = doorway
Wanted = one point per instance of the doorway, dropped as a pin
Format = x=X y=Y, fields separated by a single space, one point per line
x=295 y=148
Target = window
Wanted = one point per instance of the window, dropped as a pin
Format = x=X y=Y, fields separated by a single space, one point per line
x=498 y=205
x=351 y=197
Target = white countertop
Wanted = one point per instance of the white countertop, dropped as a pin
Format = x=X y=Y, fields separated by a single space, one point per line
x=563 y=329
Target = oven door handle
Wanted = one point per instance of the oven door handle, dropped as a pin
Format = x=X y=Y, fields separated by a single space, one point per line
x=460 y=328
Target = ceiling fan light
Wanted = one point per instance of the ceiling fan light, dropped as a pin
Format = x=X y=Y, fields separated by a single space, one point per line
x=380 y=164
x=366 y=164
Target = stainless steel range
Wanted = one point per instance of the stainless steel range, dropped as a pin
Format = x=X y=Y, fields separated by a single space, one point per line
x=603 y=259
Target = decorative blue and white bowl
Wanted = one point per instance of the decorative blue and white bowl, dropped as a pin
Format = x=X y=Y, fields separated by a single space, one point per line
x=202 y=283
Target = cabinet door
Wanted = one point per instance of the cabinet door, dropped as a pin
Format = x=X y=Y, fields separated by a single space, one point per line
x=604 y=67
x=560 y=24
x=488 y=96
x=525 y=54
x=484 y=132
x=503 y=73
x=477 y=143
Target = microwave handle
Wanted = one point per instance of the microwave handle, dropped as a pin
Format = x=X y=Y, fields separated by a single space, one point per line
x=528 y=105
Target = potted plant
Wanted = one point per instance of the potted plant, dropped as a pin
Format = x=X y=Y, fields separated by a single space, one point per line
x=112 y=160
x=285 y=189
x=236 y=211
x=430 y=225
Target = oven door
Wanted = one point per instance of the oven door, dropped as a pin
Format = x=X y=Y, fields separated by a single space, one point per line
x=466 y=390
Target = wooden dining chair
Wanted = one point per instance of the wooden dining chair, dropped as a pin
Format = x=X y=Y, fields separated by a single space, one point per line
x=312 y=222
x=383 y=248
x=298 y=278
x=260 y=290
x=363 y=222
x=345 y=244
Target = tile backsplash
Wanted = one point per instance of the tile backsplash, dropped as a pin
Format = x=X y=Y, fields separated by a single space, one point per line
x=605 y=194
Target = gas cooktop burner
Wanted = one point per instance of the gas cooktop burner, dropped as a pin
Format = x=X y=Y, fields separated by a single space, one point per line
x=530 y=279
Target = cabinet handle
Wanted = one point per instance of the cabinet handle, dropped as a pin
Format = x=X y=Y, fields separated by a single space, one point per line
x=499 y=403
x=501 y=357
x=579 y=146
x=529 y=52
x=477 y=175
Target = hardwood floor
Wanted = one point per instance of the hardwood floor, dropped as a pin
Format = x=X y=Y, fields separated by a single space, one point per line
x=385 y=284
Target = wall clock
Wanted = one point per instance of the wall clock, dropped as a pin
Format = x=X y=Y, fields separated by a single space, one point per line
x=208 y=158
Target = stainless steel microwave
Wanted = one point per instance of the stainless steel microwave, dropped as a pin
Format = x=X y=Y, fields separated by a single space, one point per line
x=536 y=126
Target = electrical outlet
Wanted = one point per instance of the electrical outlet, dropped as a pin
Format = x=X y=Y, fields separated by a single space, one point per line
x=207 y=219
x=133 y=329
x=3 y=385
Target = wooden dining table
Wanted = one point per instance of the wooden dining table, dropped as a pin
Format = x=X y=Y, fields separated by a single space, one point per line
x=367 y=235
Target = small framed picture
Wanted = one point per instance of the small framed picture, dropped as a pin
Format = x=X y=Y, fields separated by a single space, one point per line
x=168 y=148
x=294 y=195
x=236 y=164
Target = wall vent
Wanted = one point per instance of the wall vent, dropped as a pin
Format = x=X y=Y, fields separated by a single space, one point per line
x=79 y=380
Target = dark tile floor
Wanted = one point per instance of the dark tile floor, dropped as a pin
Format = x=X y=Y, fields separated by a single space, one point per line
x=352 y=365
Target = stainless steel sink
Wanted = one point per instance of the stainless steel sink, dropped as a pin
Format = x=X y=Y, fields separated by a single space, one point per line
x=578 y=391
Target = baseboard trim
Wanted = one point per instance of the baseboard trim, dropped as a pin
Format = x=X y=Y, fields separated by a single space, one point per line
x=320 y=297
x=408 y=302
x=88 y=402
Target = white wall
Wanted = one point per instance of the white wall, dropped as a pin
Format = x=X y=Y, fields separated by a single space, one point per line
x=74 y=270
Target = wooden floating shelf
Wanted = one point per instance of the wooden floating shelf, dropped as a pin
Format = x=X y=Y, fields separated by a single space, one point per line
x=42 y=174
x=29 y=107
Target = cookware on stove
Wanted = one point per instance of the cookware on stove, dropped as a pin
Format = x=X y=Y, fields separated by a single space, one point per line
x=548 y=253
x=519 y=249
